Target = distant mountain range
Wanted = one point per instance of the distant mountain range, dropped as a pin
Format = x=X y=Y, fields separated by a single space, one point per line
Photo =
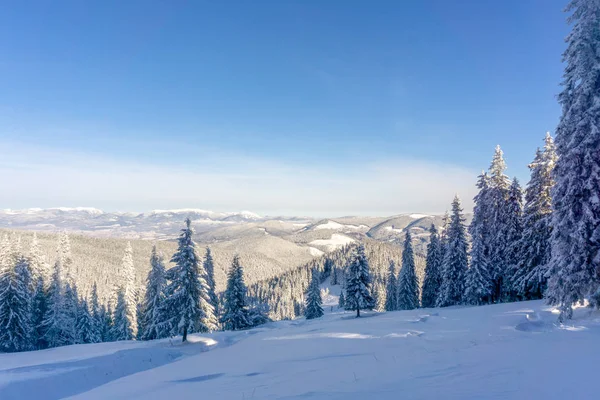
x=320 y=235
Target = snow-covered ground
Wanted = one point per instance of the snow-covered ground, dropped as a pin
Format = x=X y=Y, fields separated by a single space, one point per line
x=507 y=351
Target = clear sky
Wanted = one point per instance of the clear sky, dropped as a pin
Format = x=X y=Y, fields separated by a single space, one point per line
x=281 y=107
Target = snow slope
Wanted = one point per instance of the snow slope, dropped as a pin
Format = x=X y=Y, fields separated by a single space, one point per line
x=506 y=351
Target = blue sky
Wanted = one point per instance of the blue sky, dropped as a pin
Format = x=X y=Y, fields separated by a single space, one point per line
x=298 y=96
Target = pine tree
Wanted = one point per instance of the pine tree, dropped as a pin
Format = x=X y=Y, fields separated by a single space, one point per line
x=358 y=282
x=534 y=249
x=314 y=302
x=478 y=285
x=498 y=225
x=87 y=330
x=38 y=264
x=408 y=287
x=209 y=267
x=95 y=309
x=235 y=310
x=56 y=325
x=64 y=254
x=574 y=266
x=153 y=304
x=128 y=288
x=15 y=307
x=106 y=323
x=514 y=234
x=341 y=300
x=187 y=295
x=122 y=327
x=433 y=274
x=455 y=264
x=39 y=308
x=391 y=302
x=379 y=294
x=71 y=312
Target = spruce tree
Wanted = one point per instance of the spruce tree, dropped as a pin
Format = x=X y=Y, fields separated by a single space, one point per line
x=71 y=312
x=38 y=264
x=153 y=304
x=534 y=249
x=478 y=284
x=15 y=307
x=499 y=244
x=39 y=308
x=341 y=300
x=455 y=264
x=574 y=266
x=408 y=287
x=209 y=268
x=87 y=330
x=187 y=295
x=433 y=274
x=314 y=302
x=379 y=294
x=391 y=301
x=514 y=234
x=122 y=327
x=358 y=282
x=56 y=324
x=128 y=288
x=235 y=310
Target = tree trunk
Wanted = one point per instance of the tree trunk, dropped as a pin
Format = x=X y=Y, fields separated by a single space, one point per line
x=184 y=338
x=357 y=312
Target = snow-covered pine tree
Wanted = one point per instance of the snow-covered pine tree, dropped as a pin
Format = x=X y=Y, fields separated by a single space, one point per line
x=574 y=265
x=358 y=282
x=478 y=283
x=64 y=254
x=15 y=307
x=498 y=226
x=94 y=307
x=534 y=249
x=433 y=274
x=314 y=302
x=341 y=300
x=56 y=325
x=209 y=267
x=408 y=287
x=39 y=308
x=187 y=298
x=71 y=311
x=391 y=301
x=455 y=264
x=379 y=294
x=235 y=309
x=122 y=328
x=106 y=323
x=87 y=329
x=38 y=264
x=153 y=305
x=514 y=233
x=129 y=291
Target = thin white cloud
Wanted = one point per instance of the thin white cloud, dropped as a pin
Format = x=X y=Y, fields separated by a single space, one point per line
x=37 y=177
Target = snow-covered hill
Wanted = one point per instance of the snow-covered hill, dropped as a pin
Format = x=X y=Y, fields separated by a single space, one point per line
x=506 y=351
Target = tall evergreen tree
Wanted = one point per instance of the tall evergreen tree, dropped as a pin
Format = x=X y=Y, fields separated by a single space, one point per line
x=498 y=224
x=209 y=268
x=39 y=308
x=71 y=312
x=38 y=264
x=56 y=324
x=575 y=271
x=379 y=294
x=153 y=324
x=64 y=254
x=514 y=234
x=15 y=307
x=534 y=250
x=408 y=287
x=433 y=274
x=122 y=327
x=391 y=301
x=455 y=264
x=187 y=296
x=87 y=330
x=129 y=292
x=478 y=284
x=235 y=309
x=358 y=282
x=314 y=302
x=341 y=300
